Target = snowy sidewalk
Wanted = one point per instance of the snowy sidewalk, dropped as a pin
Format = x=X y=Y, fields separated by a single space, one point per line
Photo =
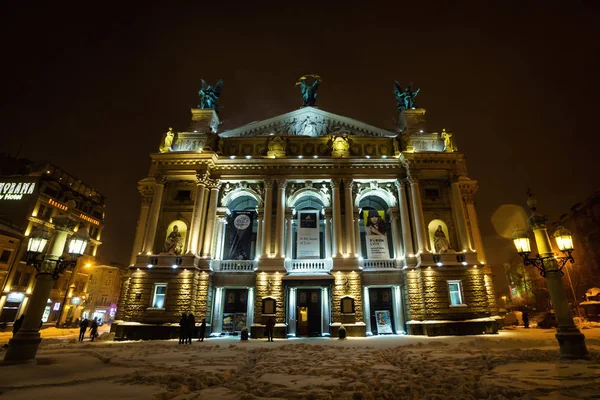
x=518 y=363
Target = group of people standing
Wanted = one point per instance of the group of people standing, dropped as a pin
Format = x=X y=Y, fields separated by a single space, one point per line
x=84 y=324
x=187 y=328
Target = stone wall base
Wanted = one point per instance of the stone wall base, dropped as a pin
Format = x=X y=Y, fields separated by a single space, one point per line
x=149 y=332
x=355 y=330
x=453 y=328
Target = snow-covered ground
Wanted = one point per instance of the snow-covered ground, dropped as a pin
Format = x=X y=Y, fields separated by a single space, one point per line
x=518 y=363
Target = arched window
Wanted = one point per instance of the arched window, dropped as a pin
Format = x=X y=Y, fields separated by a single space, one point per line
x=239 y=242
x=308 y=231
x=439 y=238
x=375 y=228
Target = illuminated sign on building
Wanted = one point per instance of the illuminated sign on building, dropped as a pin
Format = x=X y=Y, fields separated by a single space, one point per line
x=56 y=306
x=15 y=190
x=58 y=205
x=88 y=219
x=15 y=297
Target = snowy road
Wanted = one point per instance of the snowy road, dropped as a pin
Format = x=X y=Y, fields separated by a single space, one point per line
x=514 y=364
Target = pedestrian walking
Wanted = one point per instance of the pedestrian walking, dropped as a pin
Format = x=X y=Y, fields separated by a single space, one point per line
x=183 y=325
x=202 y=330
x=191 y=328
x=525 y=318
x=83 y=325
x=94 y=329
x=270 y=326
x=17 y=325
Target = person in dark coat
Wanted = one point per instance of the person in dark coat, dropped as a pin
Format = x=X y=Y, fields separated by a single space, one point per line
x=191 y=328
x=94 y=329
x=17 y=325
x=83 y=325
x=270 y=325
x=525 y=318
x=202 y=330
x=183 y=325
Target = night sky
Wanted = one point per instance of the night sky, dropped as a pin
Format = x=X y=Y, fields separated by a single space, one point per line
x=93 y=90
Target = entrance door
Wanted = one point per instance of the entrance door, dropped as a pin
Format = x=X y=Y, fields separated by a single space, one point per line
x=309 y=307
x=234 y=310
x=382 y=311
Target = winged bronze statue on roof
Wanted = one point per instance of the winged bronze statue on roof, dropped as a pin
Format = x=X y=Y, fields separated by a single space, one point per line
x=209 y=95
x=308 y=86
x=405 y=98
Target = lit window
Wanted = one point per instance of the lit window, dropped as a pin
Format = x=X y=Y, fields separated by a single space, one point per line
x=158 y=301
x=455 y=290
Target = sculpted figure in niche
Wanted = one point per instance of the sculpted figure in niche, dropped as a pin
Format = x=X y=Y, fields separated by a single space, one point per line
x=277 y=147
x=174 y=242
x=440 y=241
x=167 y=142
x=340 y=147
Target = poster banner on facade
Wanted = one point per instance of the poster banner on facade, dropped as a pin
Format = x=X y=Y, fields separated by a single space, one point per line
x=376 y=237
x=240 y=235
x=228 y=320
x=240 y=321
x=308 y=245
x=384 y=322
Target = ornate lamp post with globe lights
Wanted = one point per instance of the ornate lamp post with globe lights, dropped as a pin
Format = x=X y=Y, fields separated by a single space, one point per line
x=23 y=347
x=570 y=339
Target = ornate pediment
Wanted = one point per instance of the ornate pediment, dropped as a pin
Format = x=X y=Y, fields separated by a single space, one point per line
x=307 y=121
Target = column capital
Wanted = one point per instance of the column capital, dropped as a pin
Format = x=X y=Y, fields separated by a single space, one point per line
x=327 y=212
x=335 y=183
x=400 y=182
x=268 y=183
x=213 y=184
x=348 y=182
x=202 y=177
x=413 y=178
x=394 y=212
x=281 y=183
x=160 y=179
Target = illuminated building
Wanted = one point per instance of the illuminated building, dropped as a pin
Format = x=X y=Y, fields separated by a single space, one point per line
x=312 y=219
x=31 y=194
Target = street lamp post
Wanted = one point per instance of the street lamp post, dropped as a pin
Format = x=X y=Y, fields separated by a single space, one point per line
x=23 y=347
x=570 y=339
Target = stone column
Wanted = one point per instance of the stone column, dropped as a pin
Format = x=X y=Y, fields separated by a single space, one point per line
x=349 y=213
x=459 y=212
x=197 y=215
x=207 y=248
x=419 y=219
x=218 y=251
x=290 y=235
x=404 y=218
x=154 y=213
x=398 y=310
x=327 y=233
x=203 y=208
x=393 y=211
x=367 y=310
x=325 y=312
x=470 y=202
x=138 y=242
x=268 y=215
x=337 y=218
x=292 y=312
x=259 y=230
x=280 y=221
x=357 y=246
x=250 y=310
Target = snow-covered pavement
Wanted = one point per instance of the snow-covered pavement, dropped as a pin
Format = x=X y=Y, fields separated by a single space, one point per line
x=513 y=364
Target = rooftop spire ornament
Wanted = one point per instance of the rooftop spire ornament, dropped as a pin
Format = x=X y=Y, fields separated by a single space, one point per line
x=209 y=95
x=308 y=86
x=405 y=98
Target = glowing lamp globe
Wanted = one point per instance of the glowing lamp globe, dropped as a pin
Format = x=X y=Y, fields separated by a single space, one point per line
x=521 y=241
x=37 y=241
x=79 y=242
x=564 y=239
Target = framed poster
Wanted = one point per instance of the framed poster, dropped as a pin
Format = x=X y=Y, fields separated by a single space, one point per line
x=240 y=321
x=384 y=322
x=240 y=235
x=375 y=234
x=228 y=320
x=307 y=244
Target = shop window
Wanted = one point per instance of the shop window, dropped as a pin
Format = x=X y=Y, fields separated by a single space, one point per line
x=455 y=292
x=269 y=306
x=347 y=305
x=158 y=298
x=5 y=256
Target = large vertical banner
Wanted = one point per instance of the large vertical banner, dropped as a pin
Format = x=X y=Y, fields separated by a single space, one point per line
x=308 y=244
x=377 y=243
x=240 y=235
